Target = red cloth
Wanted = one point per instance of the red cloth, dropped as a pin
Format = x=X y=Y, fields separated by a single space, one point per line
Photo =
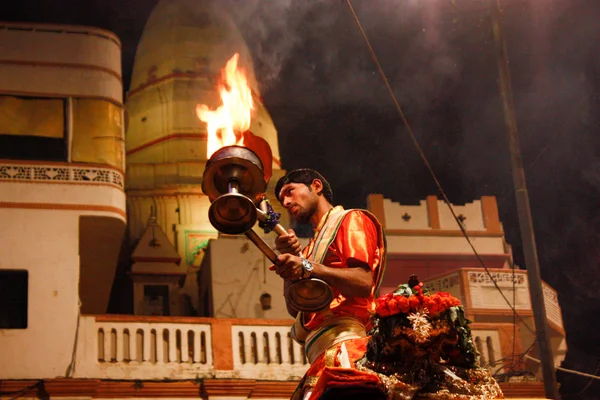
x=346 y=380
x=262 y=149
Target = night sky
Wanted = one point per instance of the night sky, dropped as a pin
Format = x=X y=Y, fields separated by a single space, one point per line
x=334 y=114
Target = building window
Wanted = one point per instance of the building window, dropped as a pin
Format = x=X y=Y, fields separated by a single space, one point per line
x=97 y=132
x=13 y=299
x=156 y=300
x=33 y=128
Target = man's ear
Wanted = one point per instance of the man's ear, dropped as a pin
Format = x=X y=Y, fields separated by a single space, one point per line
x=317 y=186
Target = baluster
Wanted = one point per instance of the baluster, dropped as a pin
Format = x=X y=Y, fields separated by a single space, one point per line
x=133 y=353
x=152 y=346
x=273 y=355
x=248 y=356
x=173 y=344
x=160 y=345
x=107 y=340
x=262 y=343
x=146 y=344
x=197 y=346
x=284 y=348
x=120 y=345
x=185 y=356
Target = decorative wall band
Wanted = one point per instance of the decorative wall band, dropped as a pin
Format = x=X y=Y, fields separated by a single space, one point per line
x=64 y=173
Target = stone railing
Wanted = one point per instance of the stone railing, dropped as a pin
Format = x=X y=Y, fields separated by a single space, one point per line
x=259 y=351
x=128 y=347
x=123 y=356
x=175 y=348
x=478 y=292
x=487 y=343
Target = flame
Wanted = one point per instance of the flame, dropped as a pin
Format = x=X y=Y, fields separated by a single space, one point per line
x=226 y=124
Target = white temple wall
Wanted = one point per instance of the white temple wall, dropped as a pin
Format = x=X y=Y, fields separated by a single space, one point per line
x=239 y=275
x=419 y=217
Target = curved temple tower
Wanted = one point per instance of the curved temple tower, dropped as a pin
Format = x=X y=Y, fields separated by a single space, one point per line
x=177 y=65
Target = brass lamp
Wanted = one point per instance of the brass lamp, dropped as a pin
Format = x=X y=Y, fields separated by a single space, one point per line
x=233 y=181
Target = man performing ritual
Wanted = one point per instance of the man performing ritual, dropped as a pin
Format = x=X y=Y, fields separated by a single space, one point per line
x=348 y=252
x=419 y=343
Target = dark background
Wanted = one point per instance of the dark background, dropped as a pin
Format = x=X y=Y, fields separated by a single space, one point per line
x=334 y=114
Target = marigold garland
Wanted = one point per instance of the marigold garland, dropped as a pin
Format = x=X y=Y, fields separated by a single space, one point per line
x=407 y=302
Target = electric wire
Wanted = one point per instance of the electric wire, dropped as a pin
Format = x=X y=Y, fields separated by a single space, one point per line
x=586 y=387
x=427 y=164
x=514 y=362
x=571 y=371
x=71 y=367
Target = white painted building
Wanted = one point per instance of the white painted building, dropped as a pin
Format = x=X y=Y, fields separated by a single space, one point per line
x=62 y=200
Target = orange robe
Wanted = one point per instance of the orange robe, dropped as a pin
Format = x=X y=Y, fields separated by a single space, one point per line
x=358 y=239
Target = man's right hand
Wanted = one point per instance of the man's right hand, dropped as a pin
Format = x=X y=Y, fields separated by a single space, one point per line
x=288 y=243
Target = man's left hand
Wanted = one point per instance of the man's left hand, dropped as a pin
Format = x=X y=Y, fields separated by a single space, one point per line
x=289 y=267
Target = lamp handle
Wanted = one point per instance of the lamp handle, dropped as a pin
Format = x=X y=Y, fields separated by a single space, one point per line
x=261 y=244
x=277 y=228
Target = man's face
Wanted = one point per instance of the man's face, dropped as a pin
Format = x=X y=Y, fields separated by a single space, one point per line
x=299 y=200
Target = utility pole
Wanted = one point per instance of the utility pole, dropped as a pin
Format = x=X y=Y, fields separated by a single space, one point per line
x=523 y=207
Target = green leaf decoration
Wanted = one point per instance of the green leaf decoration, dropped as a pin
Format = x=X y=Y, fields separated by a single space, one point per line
x=403 y=290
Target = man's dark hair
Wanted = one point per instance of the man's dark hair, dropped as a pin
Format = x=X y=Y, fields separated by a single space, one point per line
x=306 y=176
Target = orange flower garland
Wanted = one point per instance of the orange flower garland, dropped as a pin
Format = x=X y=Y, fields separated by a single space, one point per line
x=391 y=303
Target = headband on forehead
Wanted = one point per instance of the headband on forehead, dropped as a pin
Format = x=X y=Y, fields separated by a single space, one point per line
x=305 y=176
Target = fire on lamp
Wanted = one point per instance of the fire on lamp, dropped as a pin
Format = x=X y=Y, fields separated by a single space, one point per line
x=235 y=179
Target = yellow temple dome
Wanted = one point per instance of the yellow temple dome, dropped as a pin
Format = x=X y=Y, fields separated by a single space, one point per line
x=184 y=46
